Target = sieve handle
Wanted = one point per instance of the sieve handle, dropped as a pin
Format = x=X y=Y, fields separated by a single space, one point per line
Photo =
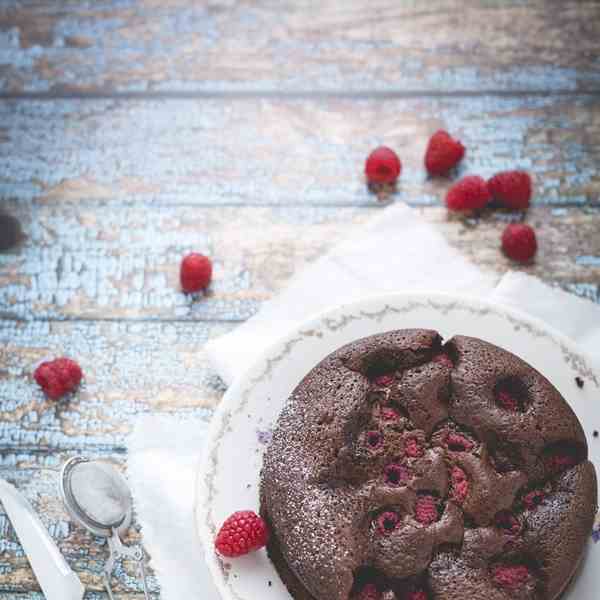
x=118 y=551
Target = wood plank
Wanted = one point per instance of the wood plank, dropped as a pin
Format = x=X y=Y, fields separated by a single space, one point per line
x=127 y=373
x=175 y=45
x=36 y=476
x=85 y=262
x=282 y=151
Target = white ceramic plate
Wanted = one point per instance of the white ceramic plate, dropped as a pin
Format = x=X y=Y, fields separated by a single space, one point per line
x=229 y=474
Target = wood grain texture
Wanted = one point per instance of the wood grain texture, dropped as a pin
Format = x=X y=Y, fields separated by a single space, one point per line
x=128 y=372
x=177 y=45
x=287 y=152
x=81 y=262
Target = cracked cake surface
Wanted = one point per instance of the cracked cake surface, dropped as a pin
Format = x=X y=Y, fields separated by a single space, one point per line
x=402 y=468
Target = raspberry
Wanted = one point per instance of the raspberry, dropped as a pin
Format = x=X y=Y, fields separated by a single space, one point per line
x=511 y=576
x=69 y=372
x=511 y=188
x=443 y=153
x=384 y=380
x=427 y=509
x=412 y=448
x=369 y=592
x=374 y=439
x=459 y=485
x=383 y=166
x=508 y=522
x=507 y=400
x=195 y=273
x=560 y=462
x=417 y=595
x=456 y=442
x=470 y=193
x=519 y=242
x=389 y=414
x=387 y=521
x=533 y=499
x=396 y=474
x=58 y=377
x=443 y=359
x=244 y=531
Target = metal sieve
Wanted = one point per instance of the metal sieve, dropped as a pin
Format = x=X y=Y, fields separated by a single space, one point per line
x=98 y=499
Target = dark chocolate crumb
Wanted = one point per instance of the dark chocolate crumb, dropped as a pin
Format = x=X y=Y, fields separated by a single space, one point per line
x=270 y=583
x=595 y=434
x=579 y=381
x=248 y=486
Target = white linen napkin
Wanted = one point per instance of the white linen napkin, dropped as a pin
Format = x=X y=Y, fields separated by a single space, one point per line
x=396 y=251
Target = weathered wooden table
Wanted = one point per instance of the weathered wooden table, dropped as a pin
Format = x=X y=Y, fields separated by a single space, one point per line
x=134 y=132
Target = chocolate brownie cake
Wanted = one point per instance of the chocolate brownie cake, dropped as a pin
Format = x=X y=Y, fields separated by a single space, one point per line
x=404 y=469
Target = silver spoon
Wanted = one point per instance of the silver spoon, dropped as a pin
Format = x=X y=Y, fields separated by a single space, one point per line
x=98 y=498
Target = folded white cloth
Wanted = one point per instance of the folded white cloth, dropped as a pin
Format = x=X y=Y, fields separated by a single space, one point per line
x=397 y=251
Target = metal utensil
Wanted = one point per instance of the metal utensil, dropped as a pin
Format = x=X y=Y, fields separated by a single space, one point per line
x=98 y=498
x=55 y=577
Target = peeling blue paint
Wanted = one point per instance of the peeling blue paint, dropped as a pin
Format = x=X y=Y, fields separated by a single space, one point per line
x=588 y=261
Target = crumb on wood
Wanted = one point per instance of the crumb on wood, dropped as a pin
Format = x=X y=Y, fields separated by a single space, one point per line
x=579 y=381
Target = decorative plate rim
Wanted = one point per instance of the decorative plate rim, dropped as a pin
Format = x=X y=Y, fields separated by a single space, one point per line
x=236 y=397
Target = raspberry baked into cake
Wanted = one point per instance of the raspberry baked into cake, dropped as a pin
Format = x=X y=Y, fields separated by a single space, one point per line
x=404 y=469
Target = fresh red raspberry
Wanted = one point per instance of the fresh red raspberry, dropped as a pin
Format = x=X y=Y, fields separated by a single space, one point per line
x=383 y=166
x=533 y=499
x=455 y=442
x=383 y=380
x=511 y=188
x=558 y=462
x=443 y=153
x=369 y=592
x=195 y=273
x=387 y=521
x=389 y=413
x=443 y=359
x=506 y=521
x=69 y=372
x=510 y=576
x=470 y=193
x=396 y=474
x=58 y=377
x=243 y=532
x=459 y=485
x=519 y=242
x=417 y=595
x=412 y=448
x=507 y=401
x=427 y=509
x=374 y=439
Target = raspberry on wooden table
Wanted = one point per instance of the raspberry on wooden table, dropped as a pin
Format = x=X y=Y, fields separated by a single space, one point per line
x=58 y=377
x=196 y=272
x=383 y=166
x=512 y=189
x=519 y=242
x=470 y=193
x=243 y=532
x=443 y=153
